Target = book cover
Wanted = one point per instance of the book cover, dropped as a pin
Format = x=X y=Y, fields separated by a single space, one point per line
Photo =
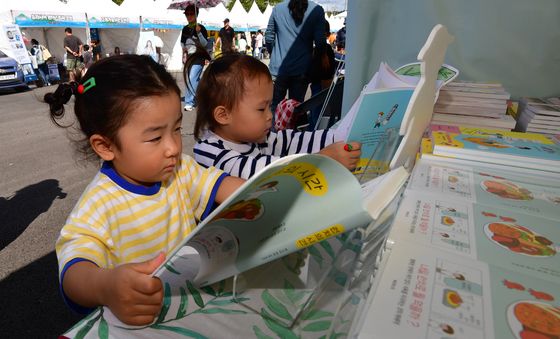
x=514 y=241
x=427 y=293
x=376 y=125
x=516 y=149
x=535 y=195
x=291 y=204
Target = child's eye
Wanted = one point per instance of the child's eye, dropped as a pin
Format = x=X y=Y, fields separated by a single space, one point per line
x=178 y=129
x=155 y=139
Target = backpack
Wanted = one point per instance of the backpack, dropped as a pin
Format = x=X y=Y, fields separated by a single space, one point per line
x=46 y=54
x=285 y=118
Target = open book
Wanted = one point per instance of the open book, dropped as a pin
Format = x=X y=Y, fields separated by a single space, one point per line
x=291 y=204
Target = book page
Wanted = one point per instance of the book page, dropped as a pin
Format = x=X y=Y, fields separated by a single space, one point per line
x=293 y=203
x=426 y=293
x=505 y=238
x=530 y=194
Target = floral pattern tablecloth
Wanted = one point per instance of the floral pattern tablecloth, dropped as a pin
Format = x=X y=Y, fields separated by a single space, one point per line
x=281 y=299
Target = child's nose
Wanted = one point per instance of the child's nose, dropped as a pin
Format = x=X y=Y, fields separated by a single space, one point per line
x=173 y=147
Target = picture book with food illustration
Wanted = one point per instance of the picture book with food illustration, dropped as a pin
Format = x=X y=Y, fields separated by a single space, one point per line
x=529 y=194
x=291 y=204
x=529 y=150
x=515 y=241
x=427 y=293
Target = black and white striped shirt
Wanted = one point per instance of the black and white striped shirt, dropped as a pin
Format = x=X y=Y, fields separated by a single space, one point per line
x=244 y=160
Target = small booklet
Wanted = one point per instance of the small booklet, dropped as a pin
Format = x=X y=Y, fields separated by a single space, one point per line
x=291 y=204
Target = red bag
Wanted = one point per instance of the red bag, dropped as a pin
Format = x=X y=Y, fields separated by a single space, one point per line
x=284 y=115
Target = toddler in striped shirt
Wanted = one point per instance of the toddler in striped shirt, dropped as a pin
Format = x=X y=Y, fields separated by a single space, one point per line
x=147 y=195
x=233 y=122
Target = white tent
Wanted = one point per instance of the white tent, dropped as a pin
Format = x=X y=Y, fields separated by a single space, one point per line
x=254 y=17
x=116 y=26
x=214 y=17
x=45 y=20
x=266 y=16
x=238 y=17
x=165 y=24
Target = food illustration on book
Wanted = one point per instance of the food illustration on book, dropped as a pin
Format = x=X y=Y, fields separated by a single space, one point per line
x=274 y=214
x=428 y=293
x=515 y=241
x=519 y=239
x=486 y=186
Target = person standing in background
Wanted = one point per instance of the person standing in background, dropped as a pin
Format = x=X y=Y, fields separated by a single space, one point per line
x=37 y=52
x=194 y=39
x=226 y=36
x=259 y=44
x=97 y=50
x=73 y=46
x=88 y=59
x=254 y=44
x=293 y=27
x=341 y=39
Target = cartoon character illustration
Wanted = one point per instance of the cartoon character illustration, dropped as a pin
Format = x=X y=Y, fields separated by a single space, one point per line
x=506 y=189
x=519 y=239
x=391 y=112
x=379 y=119
x=532 y=319
x=486 y=142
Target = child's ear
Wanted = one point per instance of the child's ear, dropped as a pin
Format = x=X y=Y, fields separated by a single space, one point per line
x=222 y=115
x=102 y=146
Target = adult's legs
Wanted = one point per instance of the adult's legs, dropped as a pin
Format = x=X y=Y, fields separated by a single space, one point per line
x=44 y=70
x=194 y=77
x=281 y=84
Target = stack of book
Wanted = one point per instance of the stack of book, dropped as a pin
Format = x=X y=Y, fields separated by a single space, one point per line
x=472 y=253
x=493 y=146
x=539 y=115
x=474 y=105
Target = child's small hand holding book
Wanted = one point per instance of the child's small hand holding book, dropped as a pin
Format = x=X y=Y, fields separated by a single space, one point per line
x=348 y=154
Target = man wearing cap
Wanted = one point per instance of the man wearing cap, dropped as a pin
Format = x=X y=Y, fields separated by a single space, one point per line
x=226 y=36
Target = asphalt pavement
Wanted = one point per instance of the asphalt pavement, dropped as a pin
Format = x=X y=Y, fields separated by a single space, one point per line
x=41 y=178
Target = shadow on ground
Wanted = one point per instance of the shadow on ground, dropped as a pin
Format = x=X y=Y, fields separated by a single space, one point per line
x=31 y=303
x=18 y=211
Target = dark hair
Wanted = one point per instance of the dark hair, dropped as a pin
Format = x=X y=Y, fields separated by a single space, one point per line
x=297 y=9
x=223 y=84
x=34 y=42
x=68 y=30
x=117 y=50
x=192 y=8
x=120 y=81
x=86 y=48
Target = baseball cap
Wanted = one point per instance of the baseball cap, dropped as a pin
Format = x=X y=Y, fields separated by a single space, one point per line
x=226 y=20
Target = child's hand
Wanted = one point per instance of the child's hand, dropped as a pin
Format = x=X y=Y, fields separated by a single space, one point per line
x=132 y=294
x=348 y=156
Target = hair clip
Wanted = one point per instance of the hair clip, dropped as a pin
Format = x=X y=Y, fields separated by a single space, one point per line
x=82 y=88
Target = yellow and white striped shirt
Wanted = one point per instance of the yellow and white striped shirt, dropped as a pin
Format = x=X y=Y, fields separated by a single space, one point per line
x=116 y=222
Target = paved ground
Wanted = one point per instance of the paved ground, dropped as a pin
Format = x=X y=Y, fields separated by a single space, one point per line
x=40 y=181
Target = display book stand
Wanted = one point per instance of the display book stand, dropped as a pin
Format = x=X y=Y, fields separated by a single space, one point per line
x=343 y=284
